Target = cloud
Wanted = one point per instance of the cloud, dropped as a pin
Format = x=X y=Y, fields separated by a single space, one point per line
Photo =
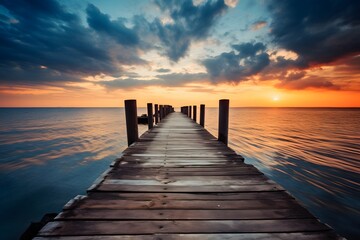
x=45 y=33
x=163 y=70
x=248 y=59
x=319 y=31
x=164 y=80
x=307 y=82
x=258 y=25
x=101 y=22
x=188 y=23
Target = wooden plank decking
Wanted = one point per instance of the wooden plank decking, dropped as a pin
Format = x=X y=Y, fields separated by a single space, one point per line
x=179 y=182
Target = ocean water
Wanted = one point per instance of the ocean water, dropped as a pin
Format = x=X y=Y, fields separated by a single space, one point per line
x=50 y=155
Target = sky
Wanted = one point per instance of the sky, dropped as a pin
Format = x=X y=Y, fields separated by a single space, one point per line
x=261 y=53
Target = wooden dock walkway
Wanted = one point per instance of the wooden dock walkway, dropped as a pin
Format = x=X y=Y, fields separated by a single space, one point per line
x=179 y=182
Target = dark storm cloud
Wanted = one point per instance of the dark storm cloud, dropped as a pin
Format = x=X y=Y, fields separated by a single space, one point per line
x=189 y=22
x=247 y=59
x=101 y=22
x=319 y=31
x=42 y=42
x=44 y=33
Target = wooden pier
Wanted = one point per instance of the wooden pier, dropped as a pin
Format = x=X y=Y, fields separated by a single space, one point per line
x=177 y=181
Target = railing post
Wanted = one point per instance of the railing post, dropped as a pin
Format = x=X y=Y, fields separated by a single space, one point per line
x=131 y=121
x=189 y=111
x=156 y=114
x=194 y=113
x=150 y=115
x=202 y=115
x=223 y=128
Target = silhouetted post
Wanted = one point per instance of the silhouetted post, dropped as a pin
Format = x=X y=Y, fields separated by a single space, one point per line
x=189 y=111
x=150 y=115
x=186 y=111
x=164 y=111
x=202 y=115
x=194 y=113
x=161 y=112
x=156 y=114
x=131 y=121
x=223 y=129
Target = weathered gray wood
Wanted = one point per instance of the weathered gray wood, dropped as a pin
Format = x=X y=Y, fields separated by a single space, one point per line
x=194 y=113
x=75 y=228
x=223 y=129
x=156 y=113
x=189 y=204
x=150 y=115
x=161 y=109
x=189 y=189
x=179 y=182
x=131 y=121
x=191 y=196
x=183 y=214
x=202 y=115
x=323 y=235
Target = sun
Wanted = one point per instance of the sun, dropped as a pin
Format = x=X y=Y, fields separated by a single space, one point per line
x=275 y=98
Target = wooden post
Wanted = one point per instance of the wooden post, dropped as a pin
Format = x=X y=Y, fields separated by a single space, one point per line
x=223 y=128
x=131 y=121
x=189 y=111
x=156 y=114
x=194 y=113
x=202 y=115
x=150 y=115
x=161 y=112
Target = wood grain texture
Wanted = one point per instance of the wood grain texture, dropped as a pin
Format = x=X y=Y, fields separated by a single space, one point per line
x=179 y=182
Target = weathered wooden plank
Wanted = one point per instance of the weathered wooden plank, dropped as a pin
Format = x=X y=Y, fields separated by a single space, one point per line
x=189 y=189
x=192 y=183
x=74 y=228
x=115 y=214
x=188 y=204
x=324 y=235
x=163 y=176
x=190 y=196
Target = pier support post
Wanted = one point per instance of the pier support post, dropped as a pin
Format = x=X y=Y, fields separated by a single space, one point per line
x=131 y=121
x=186 y=110
x=223 y=128
x=150 y=115
x=194 y=113
x=189 y=111
x=202 y=115
x=161 y=112
x=156 y=114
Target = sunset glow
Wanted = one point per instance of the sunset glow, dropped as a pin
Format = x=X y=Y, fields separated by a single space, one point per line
x=99 y=53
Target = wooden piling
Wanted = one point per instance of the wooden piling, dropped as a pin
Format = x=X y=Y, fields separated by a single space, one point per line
x=161 y=112
x=194 y=113
x=223 y=128
x=189 y=111
x=150 y=115
x=156 y=114
x=202 y=115
x=131 y=121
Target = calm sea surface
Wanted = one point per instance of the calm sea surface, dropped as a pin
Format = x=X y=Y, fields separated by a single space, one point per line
x=50 y=155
